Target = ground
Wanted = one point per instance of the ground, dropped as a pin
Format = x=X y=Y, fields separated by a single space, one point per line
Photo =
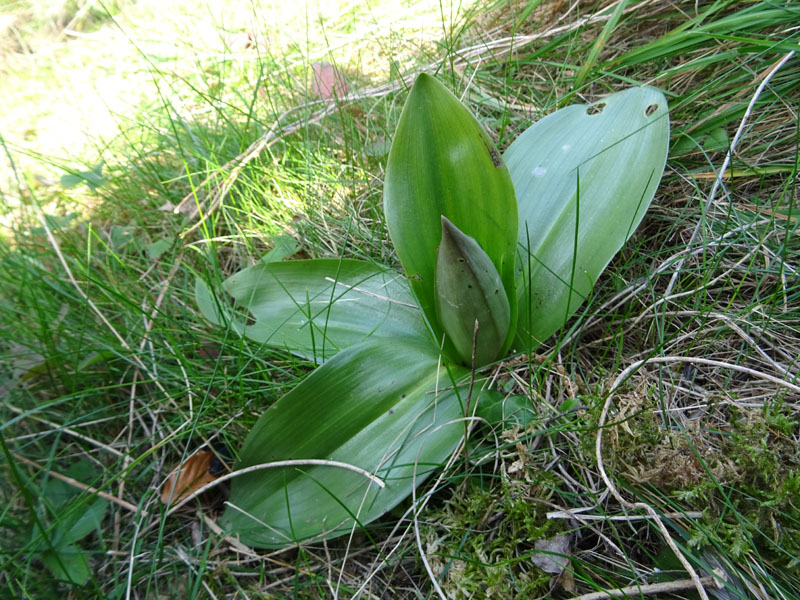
x=146 y=145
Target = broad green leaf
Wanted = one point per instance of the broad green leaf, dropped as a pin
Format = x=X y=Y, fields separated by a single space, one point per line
x=469 y=292
x=80 y=522
x=68 y=563
x=315 y=308
x=157 y=248
x=283 y=246
x=94 y=178
x=584 y=177
x=374 y=406
x=57 y=493
x=443 y=163
x=499 y=409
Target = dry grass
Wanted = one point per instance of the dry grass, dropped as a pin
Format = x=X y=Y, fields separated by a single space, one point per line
x=703 y=306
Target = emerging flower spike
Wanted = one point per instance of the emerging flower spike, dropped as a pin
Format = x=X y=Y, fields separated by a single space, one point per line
x=469 y=289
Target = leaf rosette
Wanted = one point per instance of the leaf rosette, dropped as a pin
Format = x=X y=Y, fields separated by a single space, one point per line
x=493 y=255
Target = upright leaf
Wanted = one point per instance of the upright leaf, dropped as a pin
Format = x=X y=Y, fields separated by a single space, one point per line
x=469 y=293
x=584 y=177
x=315 y=308
x=375 y=406
x=443 y=163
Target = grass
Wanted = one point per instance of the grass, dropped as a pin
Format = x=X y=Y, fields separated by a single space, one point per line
x=109 y=375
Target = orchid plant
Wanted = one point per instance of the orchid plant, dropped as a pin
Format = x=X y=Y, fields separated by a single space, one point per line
x=499 y=251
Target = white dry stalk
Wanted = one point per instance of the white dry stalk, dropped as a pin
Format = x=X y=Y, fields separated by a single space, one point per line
x=135 y=357
x=718 y=180
x=643 y=505
x=57 y=249
x=274 y=465
x=387 y=457
x=666 y=587
x=578 y=514
x=731 y=323
x=472 y=420
x=416 y=506
x=633 y=289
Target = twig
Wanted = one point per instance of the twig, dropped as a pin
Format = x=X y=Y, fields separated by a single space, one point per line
x=57 y=249
x=665 y=587
x=149 y=322
x=82 y=486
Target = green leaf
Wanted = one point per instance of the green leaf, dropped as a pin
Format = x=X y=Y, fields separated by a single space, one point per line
x=443 y=163
x=469 y=290
x=68 y=563
x=374 y=406
x=120 y=236
x=57 y=492
x=80 y=522
x=584 y=177
x=157 y=248
x=717 y=140
x=315 y=308
x=378 y=148
x=94 y=178
x=504 y=410
x=283 y=246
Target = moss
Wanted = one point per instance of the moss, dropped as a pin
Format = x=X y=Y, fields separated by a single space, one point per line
x=483 y=538
x=740 y=466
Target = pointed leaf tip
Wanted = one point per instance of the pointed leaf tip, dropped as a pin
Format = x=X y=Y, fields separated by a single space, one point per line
x=469 y=289
x=442 y=162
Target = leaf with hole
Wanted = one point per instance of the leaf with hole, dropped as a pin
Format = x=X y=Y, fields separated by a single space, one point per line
x=388 y=403
x=584 y=176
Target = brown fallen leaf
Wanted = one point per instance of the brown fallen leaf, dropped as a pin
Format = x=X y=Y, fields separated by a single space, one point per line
x=328 y=81
x=200 y=469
